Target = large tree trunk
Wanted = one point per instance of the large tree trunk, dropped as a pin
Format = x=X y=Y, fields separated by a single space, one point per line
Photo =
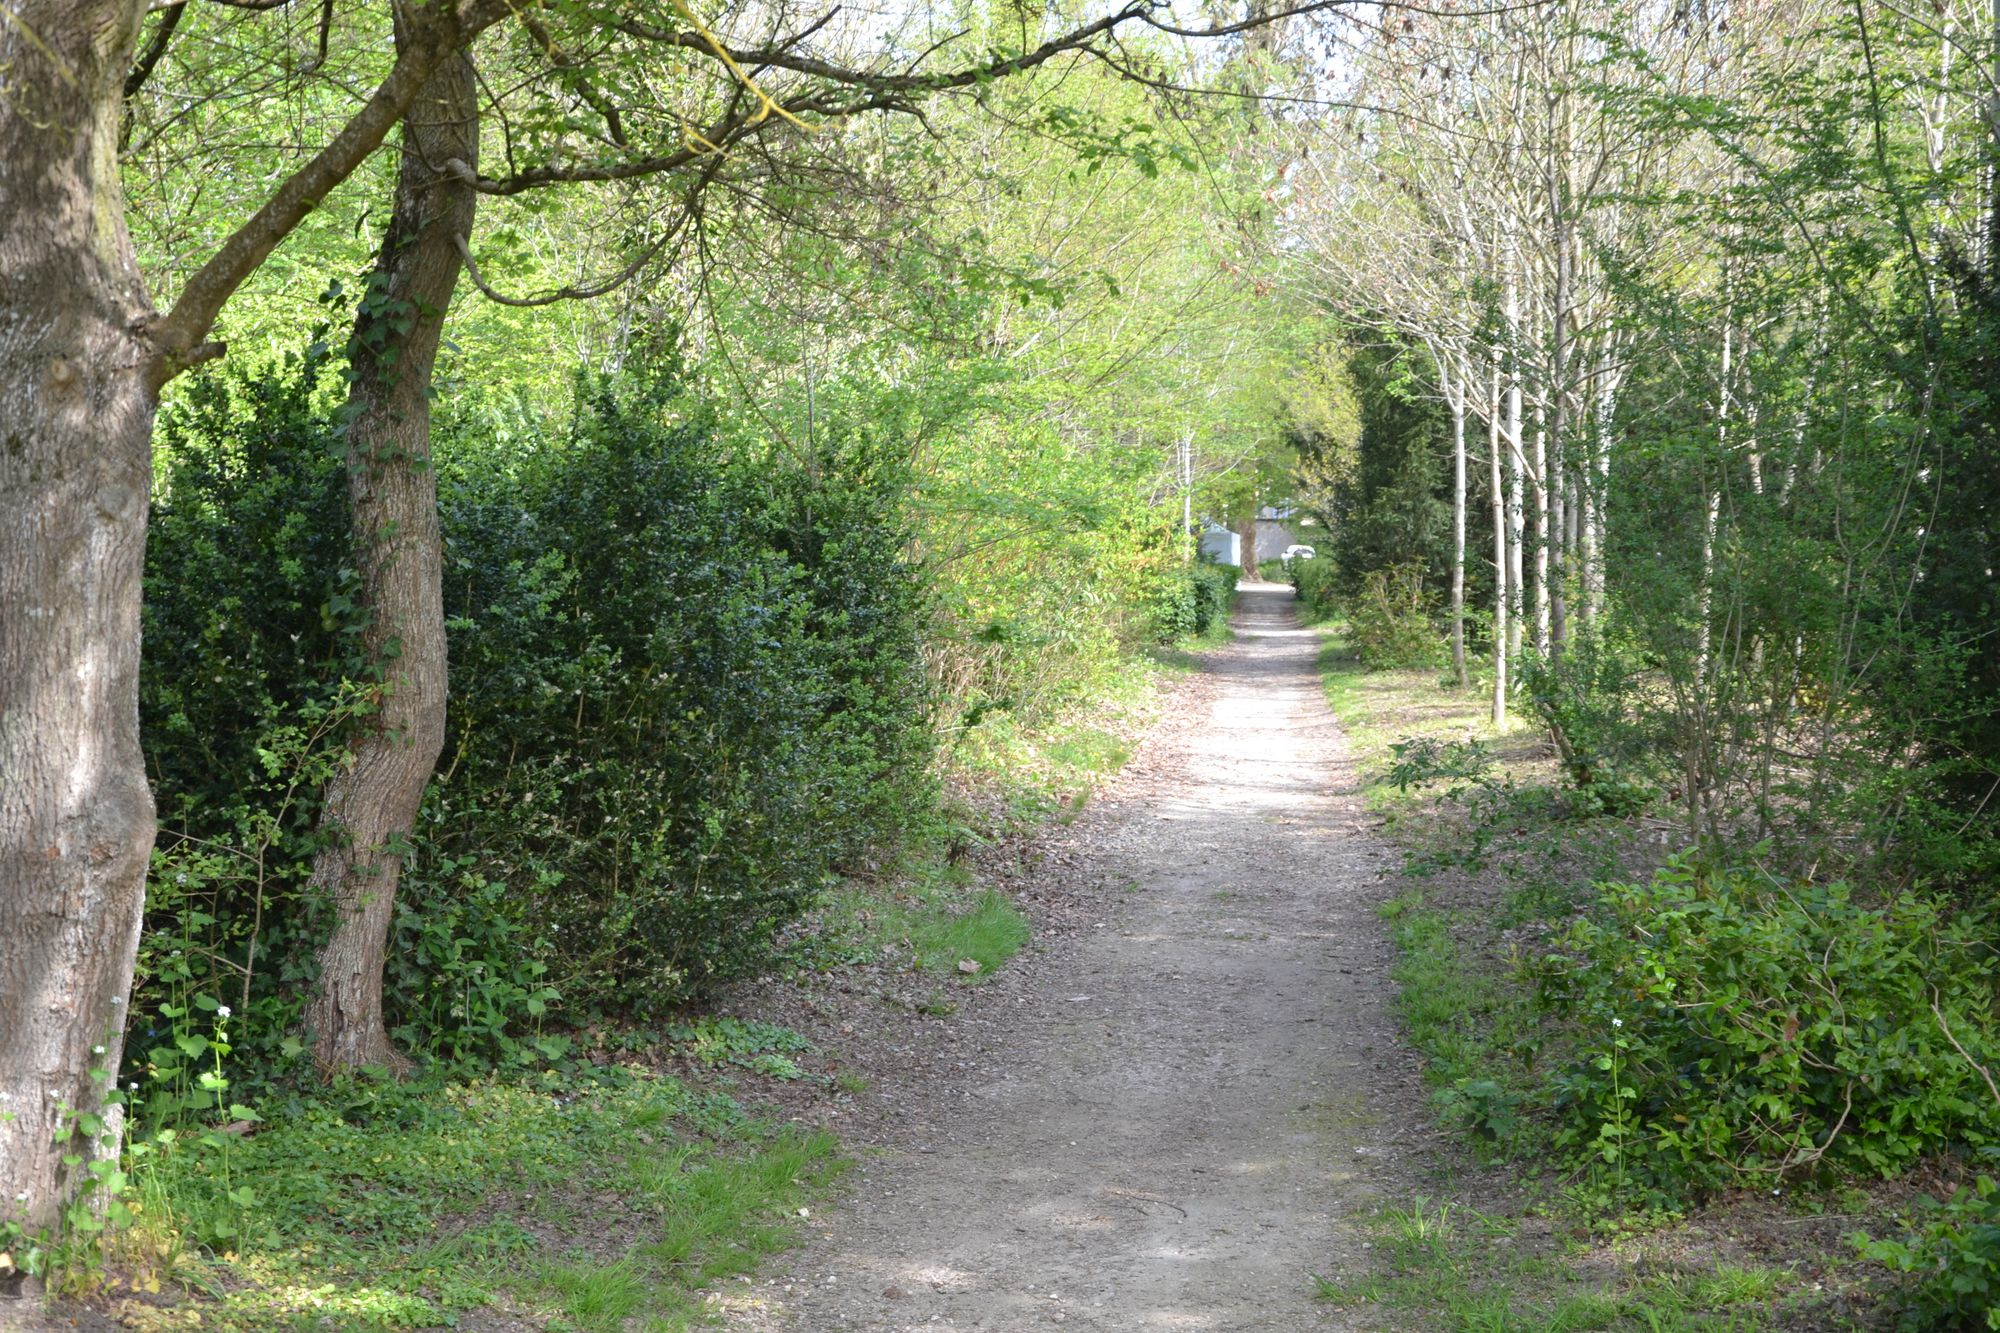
x=372 y=807
x=76 y=419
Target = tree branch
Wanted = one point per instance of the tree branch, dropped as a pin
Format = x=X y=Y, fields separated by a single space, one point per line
x=142 y=68
x=178 y=335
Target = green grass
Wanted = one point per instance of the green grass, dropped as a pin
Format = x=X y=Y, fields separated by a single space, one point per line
x=586 y=1201
x=989 y=932
x=932 y=919
x=1451 y=1268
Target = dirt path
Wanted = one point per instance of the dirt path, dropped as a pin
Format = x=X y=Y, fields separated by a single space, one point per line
x=1180 y=1113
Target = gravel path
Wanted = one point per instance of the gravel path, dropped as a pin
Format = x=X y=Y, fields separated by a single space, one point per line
x=1179 y=1111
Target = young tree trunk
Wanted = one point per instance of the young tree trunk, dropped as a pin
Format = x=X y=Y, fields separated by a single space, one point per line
x=1542 y=490
x=1458 y=534
x=1595 y=487
x=1500 y=589
x=372 y=806
x=1516 y=518
x=1559 y=548
x=1246 y=533
x=1190 y=539
x=1551 y=564
x=1712 y=511
x=77 y=397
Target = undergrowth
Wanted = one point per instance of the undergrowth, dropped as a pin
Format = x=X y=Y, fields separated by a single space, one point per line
x=1646 y=1039
x=1439 y=1265
x=583 y=1199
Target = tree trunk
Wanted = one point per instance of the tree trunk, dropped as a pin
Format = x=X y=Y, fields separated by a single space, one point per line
x=76 y=420
x=1246 y=531
x=1500 y=589
x=372 y=807
x=1541 y=526
x=1712 y=507
x=1458 y=398
x=1515 y=505
x=1190 y=538
x=1552 y=562
x=1595 y=487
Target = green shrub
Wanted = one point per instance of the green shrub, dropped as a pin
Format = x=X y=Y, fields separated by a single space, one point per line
x=251 y=623
x=1390 y=622
x=1953 y=1260
x=1314 y=581
x=1604 y=738
x=1731 y=1029
x=684 y=693
x=1193 y=600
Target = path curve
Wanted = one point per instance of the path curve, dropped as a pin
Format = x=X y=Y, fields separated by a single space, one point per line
x=1190 y=1111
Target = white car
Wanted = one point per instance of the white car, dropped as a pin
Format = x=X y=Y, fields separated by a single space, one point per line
x=1298 y=551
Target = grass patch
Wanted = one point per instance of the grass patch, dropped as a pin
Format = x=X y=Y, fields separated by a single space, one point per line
x=586 y=1201
x=988 y=933
x=1452 y=1268
x=931 y=921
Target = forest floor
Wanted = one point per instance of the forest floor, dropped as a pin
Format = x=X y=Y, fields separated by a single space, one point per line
x=1189 y=1098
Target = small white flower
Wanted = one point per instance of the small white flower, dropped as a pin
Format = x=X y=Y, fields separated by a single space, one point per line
x=97 y=1050
x=1618 y=1022
x=132 y=1086
x=222 y=1010
x=22 y=1197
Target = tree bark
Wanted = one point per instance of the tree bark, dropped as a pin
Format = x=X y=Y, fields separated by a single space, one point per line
x=1501 y=592
x=1458 y=397
x=372 y=807
x=1516 y=519
x=1540 y=463
x=1552 y=562
x=76 y=419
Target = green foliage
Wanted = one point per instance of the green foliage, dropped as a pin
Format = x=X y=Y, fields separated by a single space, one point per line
x=1389 y=623
x=1606 y=735
x=249 y=682
x=1953 y=1262
x=1731 y=1028
x=1421 y=760
x=1316 y=582
x=1193 y=601
x=685 y=692
x=1386 y=503
x=382 y=1205
x=669 y=741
